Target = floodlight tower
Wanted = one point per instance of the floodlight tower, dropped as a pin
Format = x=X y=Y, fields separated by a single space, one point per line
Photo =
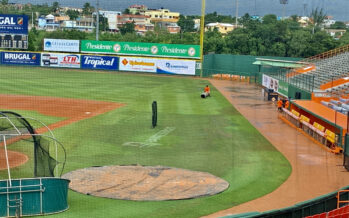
x=284 y=3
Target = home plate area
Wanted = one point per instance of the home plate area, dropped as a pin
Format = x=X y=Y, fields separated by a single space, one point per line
x=144 y=183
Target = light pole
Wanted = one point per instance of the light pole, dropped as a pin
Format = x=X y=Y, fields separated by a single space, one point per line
x=202 y=32
x=236 y=13
x=97 y=21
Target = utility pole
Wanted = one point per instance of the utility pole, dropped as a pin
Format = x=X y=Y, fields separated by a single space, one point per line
x=236 y=13
x=202 y=32
x=32 y=19
x=97 y=21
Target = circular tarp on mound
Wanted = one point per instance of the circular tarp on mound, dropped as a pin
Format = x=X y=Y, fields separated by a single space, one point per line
x=144 y=183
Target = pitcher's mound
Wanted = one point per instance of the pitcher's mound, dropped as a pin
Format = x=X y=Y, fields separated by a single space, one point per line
x=144 y=183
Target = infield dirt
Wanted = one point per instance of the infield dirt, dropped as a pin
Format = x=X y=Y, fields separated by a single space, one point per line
x=73 y=110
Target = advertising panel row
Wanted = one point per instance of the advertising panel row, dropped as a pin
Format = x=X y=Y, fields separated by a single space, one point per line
x=134 y=64
x=13 y=31
x=182 y=67
x=140 y=49
x=64 y=45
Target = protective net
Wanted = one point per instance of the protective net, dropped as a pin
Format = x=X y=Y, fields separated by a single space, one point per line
x=42 y=148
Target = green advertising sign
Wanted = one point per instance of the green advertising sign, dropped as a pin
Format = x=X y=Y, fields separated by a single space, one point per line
x=283 y=88
x=141 y=49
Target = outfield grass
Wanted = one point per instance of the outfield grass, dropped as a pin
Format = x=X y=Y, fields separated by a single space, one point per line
x=210 y=135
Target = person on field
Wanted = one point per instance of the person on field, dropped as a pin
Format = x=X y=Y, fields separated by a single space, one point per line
x=207 y=91
x=279 y=104
x=287 y=104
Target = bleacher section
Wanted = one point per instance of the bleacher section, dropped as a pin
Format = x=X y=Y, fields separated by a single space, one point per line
x=341 y=106
x=342 y=212
x=329 y=66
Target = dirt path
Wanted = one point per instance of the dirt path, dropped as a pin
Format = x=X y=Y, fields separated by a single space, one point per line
x=73 y=110
x=314 y=171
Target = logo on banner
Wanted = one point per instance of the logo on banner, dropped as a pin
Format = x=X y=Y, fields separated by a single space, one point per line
x=154 y=49
x=48 y=44
x=98 y=61
x=124 y=62
x=191 y=51
x=70 y=59
x=117 y=47
x=20 y=20
x=172 y=66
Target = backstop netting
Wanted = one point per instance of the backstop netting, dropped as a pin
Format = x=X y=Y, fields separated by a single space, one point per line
x=30 y=137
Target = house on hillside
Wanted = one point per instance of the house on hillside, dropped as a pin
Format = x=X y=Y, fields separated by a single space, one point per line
x=48 y=23
x=142 y=23
x=84 y=24
x=336 y=33
x=138 y=9
x=162 y=15
x=223 y=28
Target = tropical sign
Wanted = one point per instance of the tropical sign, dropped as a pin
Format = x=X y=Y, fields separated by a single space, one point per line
x=141 y=49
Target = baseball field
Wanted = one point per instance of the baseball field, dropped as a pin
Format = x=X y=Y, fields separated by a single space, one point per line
x=207 y=135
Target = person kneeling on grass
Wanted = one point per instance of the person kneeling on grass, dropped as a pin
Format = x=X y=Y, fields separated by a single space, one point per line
x=207 y=91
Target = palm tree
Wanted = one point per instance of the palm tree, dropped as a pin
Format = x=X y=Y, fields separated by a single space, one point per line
x=317 y=18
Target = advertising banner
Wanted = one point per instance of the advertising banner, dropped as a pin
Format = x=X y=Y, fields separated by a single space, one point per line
x=270 y=83
x=175 y=67
x=137 y=64
x=20 y=58
x=61 y=45
x=13 y=31
x=141 y=49
x=60 y=60
x=99 y=62
x=13 y=24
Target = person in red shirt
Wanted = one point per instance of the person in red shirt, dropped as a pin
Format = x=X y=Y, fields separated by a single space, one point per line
x=287 y=104
x=207 y=91
x=279 y=104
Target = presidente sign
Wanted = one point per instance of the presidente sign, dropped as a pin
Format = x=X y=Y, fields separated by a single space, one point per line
x=20 y=58
x=141 y=49
x=13 y=24
x=61 y=45
x=99 y=62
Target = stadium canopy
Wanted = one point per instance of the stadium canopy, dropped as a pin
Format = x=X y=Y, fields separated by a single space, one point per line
x=278 y=63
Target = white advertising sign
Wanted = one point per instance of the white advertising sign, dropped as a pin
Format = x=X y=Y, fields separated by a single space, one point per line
x=61 y=45
x=137 y=64
x=270 y=83
x=60 y=60
x=175 y=67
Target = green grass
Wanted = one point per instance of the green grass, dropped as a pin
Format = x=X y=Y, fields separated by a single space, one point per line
x=210 y=135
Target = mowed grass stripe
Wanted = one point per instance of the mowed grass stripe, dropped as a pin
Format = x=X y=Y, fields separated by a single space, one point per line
x=210 y=135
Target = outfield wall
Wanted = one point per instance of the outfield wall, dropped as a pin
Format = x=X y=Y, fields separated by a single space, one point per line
x=100 y=62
